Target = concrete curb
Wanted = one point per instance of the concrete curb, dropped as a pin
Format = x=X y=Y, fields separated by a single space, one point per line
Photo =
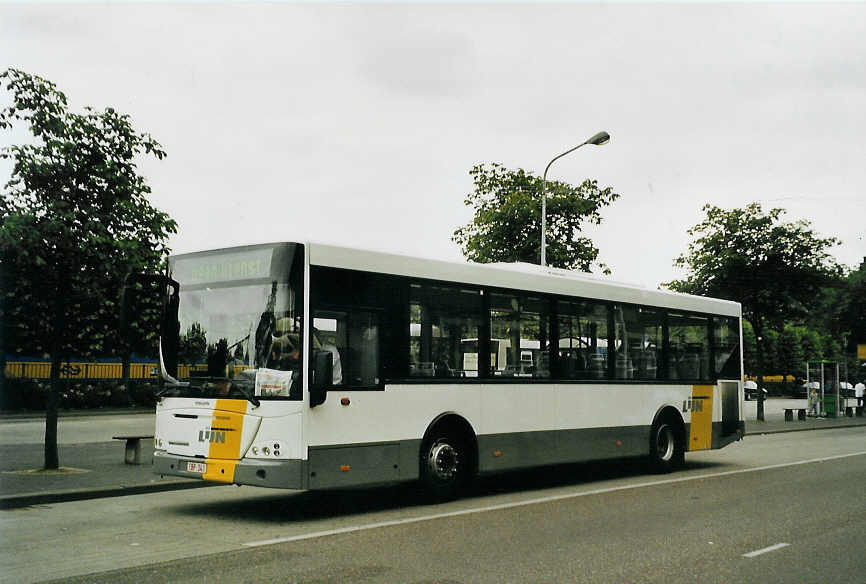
x=751 y=429
x=48 y=497
x=37 y=415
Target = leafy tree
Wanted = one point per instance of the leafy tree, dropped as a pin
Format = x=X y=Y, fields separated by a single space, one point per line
x=854 y=311
x=790 y=352
x=770 y=344
x=192 y=346
x=847 y=311
x=507 y=222
x=774 y=269
x=811 y=344
x=75 y=222
x=841 y=320
x=833 y=349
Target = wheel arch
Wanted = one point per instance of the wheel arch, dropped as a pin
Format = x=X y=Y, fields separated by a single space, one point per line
x=672 y=415
x=453 y=422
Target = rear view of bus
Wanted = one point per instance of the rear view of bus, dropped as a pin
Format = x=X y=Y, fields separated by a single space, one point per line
x=230 y=410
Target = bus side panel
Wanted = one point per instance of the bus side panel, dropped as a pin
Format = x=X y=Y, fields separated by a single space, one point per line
x=509 y=408
x=526 y=449
x=701 y=427
x=350 y=465
x=612 y=406
x=399 y=415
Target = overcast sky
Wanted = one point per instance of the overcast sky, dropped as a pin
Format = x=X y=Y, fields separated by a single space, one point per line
x=357 y=124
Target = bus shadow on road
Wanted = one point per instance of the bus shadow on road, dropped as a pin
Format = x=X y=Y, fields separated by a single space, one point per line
x=295 y=506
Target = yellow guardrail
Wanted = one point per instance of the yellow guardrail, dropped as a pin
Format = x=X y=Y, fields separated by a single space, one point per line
x=79 y=370
x=771 y=378
x=91 y=370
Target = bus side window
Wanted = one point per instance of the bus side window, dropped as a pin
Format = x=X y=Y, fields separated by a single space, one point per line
x=444 y=324
x=329 y=334
x=689 y=347
x=363 y=361
x=638 y=335
x=352 y=337
x=582 y=340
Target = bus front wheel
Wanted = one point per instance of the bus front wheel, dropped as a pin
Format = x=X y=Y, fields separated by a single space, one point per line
x=444 y=465
x=666 y=447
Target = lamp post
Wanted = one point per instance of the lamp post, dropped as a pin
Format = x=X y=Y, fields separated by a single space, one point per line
x=599 y=139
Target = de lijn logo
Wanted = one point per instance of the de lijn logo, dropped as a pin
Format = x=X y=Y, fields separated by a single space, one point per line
x=214 y=435
x=694 y=404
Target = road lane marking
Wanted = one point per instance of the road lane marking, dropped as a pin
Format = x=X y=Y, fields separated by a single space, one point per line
x=552 y=498
x=771 y=548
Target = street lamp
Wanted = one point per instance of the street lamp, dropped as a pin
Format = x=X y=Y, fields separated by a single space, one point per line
x=599 y=139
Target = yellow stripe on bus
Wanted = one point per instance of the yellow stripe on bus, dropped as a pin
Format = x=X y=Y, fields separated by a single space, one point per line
x=701 y=428
x=225 y=443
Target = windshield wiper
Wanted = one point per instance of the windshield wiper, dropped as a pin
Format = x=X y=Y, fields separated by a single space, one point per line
x=245 y=388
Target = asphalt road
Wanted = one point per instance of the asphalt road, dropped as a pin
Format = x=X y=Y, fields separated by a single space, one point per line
x=774 y=508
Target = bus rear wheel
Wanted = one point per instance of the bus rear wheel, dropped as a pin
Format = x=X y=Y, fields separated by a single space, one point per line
x=666 y=447
x=444 y=465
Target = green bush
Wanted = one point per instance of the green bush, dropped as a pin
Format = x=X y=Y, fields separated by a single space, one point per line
x=32 y=394
x=23 y=394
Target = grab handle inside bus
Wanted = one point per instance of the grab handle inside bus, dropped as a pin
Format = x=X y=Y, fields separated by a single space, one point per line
x=321 y=377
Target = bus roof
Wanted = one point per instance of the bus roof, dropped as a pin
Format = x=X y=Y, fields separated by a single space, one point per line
x=520 y=276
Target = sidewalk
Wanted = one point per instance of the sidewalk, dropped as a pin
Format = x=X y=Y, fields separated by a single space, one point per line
x=95 y=468
x=88 y=471
x=92 y=464
x=774 y=423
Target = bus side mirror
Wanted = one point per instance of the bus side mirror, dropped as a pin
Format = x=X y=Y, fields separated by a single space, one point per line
x=321 y=377
x=169 y=325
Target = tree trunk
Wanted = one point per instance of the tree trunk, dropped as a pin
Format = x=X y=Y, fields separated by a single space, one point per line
x=124 y=373
x=125 y=300
x=52 y=458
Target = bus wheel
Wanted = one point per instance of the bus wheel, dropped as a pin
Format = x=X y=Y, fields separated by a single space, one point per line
x=443 y=466
x=666 y=449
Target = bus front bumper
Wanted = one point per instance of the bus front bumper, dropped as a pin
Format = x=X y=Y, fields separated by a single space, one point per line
x=282 y=474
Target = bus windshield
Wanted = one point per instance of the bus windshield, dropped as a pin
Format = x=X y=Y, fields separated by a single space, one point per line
x=240 y=319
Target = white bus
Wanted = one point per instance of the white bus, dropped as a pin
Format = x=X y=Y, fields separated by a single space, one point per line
x=331 y=367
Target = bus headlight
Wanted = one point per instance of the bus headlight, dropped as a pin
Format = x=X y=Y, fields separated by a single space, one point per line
x=267 y=449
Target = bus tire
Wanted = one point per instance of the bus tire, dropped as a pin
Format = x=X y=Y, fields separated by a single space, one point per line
x=667 y=452
x=445 y=465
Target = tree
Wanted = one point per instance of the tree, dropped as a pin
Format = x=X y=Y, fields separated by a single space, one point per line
x=774 y=269
x=507 y=222
x=812 y=345
x=844 y=313
x=854 y=311
x=192 y=347
x=75 y=222
x=790 y=352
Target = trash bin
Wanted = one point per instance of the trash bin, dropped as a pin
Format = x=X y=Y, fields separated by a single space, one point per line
x=830 y=406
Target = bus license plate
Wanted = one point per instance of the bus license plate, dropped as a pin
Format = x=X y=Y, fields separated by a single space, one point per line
x=197 y=467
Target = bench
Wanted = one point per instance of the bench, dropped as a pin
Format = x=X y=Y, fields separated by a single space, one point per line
x=789 y=414
x=132 y=454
